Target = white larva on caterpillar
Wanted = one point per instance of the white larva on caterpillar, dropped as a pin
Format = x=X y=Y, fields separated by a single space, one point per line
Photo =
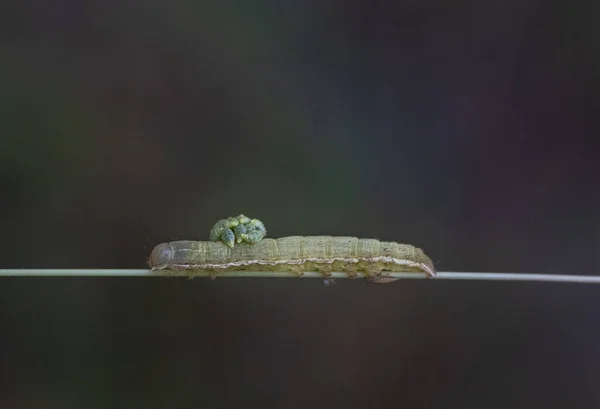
x=295 y=253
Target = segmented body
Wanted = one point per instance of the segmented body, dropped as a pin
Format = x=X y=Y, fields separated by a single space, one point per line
x=295 y=253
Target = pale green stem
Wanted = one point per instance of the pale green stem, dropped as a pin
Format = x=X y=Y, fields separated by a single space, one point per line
x=442 y=275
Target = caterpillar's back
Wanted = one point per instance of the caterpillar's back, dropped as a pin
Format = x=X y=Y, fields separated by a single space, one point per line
x=294 y=253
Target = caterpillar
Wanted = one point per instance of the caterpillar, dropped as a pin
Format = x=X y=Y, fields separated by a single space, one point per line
x=296 y=254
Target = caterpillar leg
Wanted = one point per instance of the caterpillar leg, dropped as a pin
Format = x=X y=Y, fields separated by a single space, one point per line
x=325 y=269
x=373 y=273
x=213 y=273
x=352 y=270
x=298 y=270
x=175 y=270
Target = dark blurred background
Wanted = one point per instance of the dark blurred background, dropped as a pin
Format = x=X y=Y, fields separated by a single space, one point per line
x=467 y=128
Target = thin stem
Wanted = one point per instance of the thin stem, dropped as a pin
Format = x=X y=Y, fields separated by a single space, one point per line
x=442 y=275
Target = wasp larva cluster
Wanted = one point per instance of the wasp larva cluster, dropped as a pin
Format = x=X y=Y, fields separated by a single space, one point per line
x=238 y=229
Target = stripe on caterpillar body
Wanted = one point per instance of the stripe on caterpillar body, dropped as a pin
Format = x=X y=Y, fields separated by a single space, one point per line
x=294 y=253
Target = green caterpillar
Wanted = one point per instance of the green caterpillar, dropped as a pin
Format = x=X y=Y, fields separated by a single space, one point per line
x=238 y=244
x=294 y=253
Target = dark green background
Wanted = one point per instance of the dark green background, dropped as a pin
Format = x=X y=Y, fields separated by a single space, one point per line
x=469 y=129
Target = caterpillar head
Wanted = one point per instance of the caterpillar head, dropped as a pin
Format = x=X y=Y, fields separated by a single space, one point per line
x=161 y=256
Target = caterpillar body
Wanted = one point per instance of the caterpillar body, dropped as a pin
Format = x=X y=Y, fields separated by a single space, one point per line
x=296 y=254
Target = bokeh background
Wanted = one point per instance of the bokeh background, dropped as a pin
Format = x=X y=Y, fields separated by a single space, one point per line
x=467 y=128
